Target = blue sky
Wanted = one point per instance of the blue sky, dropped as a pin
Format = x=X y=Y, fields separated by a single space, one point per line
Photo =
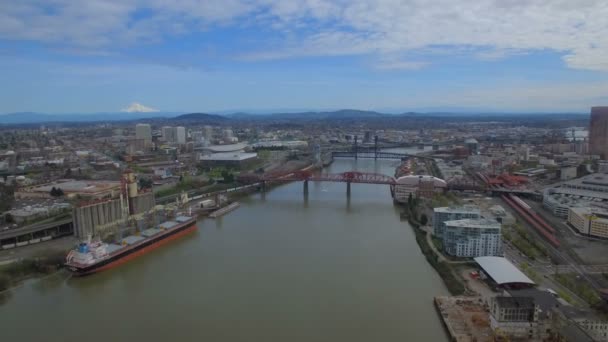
x=60 y=56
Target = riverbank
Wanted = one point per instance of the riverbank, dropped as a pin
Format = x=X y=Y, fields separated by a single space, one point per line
x=45 y=263
x=445 y=270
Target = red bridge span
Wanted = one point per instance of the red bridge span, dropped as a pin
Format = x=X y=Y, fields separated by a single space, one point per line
x=305 y=176
x=344 y=177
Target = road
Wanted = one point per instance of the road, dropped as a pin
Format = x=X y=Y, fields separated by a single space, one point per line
x=564 y=255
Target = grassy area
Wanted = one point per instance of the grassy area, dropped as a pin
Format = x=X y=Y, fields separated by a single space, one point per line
x=444 y=200
x=264 y=155
x=186 y=184
x=139 y=169
x=530 y=272
x=44 y=263
x=524 y=242
x=432 y=169
x=438 y=243
x=565 y=296
x=579 y=286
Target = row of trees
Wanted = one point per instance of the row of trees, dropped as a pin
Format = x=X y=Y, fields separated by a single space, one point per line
x=7 y=197
x=56 y=192
x=412 y=209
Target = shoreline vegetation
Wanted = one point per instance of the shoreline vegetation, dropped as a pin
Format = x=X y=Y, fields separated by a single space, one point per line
x=446 y=271
x=44 y=263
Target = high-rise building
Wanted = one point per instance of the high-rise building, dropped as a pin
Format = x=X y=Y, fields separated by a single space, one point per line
x=144 y=132
x=472 y=238
x=168 y=133
x=180 y=135
x=443 y=214
x=598 y=132
x=208 y=133
x=174 y=135
x=197 y=138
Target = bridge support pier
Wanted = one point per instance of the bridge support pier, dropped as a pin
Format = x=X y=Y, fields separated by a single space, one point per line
x=306 y=187
x=348 y=189
x=375 y=147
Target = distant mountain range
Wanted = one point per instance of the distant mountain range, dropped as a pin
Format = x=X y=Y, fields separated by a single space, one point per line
x=35 y=118
x=30 y=117
x=207 y=118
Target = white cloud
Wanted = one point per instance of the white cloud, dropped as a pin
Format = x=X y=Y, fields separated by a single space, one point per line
x=397 y=63
x=578 y=29
x=572 y=96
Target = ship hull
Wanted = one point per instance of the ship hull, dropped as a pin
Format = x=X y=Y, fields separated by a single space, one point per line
x=130 y=254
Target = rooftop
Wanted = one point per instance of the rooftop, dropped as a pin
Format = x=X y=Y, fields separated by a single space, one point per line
x=515 y=302
x=229 y=156
x=225 y=148
x=592 y=180
x=595 y=213
x=462 y=209
x=502 y=271
x=280 y=143
x=79 y=186
x=416 y=179
x=474 y=223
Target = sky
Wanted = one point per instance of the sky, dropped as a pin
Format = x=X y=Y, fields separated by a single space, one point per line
x=68 y=56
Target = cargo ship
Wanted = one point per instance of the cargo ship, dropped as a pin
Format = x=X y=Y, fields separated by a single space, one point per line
x=95 y=256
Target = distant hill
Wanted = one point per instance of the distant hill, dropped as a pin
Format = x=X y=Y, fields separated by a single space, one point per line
x=302 y=117
x=35 y=118
x=203 y=117
x=338 y=114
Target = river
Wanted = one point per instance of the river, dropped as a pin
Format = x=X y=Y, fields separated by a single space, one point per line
x=282 y=267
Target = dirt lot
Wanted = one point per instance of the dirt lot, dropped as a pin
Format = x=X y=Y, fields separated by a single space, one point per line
x=466 y=317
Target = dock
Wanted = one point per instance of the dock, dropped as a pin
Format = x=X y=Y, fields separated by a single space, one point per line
x=224 y=210
x=464 y=318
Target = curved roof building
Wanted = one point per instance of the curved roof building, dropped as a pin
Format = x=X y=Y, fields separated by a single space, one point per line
x=502 y=271
x=417 y=179
x=417 y=185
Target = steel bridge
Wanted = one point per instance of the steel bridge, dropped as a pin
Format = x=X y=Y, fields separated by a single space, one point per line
x=369 y=155
x=306 y=176
x=372 y=154
x=344 y=177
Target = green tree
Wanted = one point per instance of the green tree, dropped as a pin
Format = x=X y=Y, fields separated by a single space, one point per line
x=56 y=192
x=423 y=219
x=228 y=176
x=7 y=197
x=145 y=183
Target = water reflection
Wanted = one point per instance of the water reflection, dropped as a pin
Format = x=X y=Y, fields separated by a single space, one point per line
x=51 y=282
x=282 y=267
